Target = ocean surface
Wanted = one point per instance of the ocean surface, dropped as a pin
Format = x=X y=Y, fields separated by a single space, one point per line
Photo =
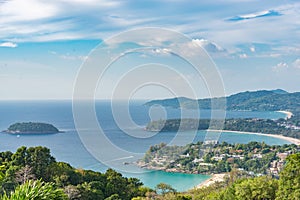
x=130 y=137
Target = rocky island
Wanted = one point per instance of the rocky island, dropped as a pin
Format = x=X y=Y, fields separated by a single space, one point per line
x=31 y=128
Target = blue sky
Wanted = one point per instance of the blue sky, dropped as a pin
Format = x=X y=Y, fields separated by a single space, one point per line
x=255 y=44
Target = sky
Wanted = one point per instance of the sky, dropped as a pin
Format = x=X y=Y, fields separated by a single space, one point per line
x=43 y=44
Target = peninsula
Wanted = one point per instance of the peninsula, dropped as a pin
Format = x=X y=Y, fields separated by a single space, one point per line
x=31 y=128
x=261 y=100
x=284 y=127
x=253 y=158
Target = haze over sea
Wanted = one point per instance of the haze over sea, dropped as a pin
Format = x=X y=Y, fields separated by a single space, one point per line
x=67 y=146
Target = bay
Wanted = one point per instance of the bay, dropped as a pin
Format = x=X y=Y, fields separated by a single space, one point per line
x=68 y=147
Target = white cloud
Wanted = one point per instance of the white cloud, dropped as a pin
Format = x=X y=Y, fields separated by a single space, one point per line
x=68 y=56
x=8 y=44
x=288 y=50
x=274 y=55
x=53 y=52
x=296 y=63
x=162 y=51
x=208 y=46
x=72 y=57
x=103 y=3
x=280 y=67
x=20 y=10
x=264 y=13
x=253 y=15
x=243 y=55
x=34 y=20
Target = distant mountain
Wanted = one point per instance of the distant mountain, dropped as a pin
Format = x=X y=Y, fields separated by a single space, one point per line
x=174 y=102
x=279 y=91
x=262 y=100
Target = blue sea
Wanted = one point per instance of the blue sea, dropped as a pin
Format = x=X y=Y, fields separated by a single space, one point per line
x=131 y=138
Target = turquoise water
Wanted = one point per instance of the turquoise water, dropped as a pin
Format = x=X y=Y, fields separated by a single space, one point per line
x=181 y=182
x=69 y=148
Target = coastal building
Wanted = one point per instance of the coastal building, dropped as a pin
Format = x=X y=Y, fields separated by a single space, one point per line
x=282 y=156
x=211 y=142
x=197 y=160
x=217 y=158
x=257 y=156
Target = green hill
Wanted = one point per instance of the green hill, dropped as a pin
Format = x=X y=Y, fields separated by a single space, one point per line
x=263 y=100
x=32 y=127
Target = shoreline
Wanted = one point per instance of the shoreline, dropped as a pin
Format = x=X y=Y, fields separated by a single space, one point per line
x=220 y=177
x=215 y=178
x=289 y=139
x=287 y=113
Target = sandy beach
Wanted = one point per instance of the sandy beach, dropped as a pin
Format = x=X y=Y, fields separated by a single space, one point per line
x=287 y=113
x=215 y=178
x=220 y=177
x=289 y=139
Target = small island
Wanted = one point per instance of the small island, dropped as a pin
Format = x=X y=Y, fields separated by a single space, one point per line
x=31 y=128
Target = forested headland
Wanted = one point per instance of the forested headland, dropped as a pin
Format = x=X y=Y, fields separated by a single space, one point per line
x=262 y=100
x=283 y=127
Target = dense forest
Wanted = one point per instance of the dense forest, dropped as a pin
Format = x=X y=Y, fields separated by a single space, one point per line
x=178 y=125
x=34 y=173
x=32 y=127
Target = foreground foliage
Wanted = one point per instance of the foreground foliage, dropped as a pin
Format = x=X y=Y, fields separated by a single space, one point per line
x=36 y=190
x=32 y=173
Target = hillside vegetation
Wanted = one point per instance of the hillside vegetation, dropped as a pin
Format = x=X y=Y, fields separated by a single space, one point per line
x=283 y=127
x=263 y=100
x=33 y=174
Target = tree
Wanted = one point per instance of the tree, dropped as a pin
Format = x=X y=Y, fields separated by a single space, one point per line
x=163 y=188
x=126 y=188
x=36 y=190
x=24 y=174
x=289 y=182
x=64 y=174
x=113 y=197
x=39 y=158
x=91 y=190
x=72 y=192
x=37 y=162
x=18 y=158
x=256 y=188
